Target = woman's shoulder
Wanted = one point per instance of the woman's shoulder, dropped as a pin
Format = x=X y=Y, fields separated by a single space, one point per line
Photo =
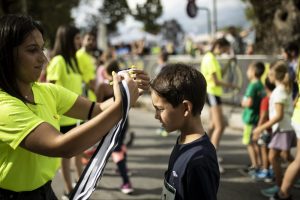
x=58 y=59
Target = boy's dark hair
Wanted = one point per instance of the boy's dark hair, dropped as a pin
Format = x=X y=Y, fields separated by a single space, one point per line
x=13 y=31
x=270 y=86
x=291 y=47
x=111 y=66
x=259 y=69
x=164 y=56
x=178 y=82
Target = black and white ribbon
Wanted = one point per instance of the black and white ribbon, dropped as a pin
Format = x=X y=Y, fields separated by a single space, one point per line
x=94 y=169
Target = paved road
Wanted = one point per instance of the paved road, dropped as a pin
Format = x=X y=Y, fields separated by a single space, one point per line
x=148 y=158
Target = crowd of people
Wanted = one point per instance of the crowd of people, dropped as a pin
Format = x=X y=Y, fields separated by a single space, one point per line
x=62 y=104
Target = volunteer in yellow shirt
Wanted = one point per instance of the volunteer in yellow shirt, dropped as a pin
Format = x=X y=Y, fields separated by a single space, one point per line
x=63 y=70
x=30 y=141
x=212 y=72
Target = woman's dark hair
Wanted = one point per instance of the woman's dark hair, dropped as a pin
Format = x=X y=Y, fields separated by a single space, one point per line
x=112 y=65
x=222 y=42
x=13 y=31
x=64 y=46
x=178 y=82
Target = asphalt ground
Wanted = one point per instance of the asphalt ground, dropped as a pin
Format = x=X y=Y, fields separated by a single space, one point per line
x=149 y=154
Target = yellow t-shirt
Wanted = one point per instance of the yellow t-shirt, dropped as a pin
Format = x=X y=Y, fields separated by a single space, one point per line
x=20 y=169
x=209 y=66
x=72 y=80
x=296 y=113
x=87 y=68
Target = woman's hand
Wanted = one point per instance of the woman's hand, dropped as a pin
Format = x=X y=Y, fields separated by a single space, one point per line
x=132 y=86
x=141 y=78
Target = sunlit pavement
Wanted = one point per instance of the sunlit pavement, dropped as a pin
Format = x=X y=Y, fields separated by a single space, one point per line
x=148 y=158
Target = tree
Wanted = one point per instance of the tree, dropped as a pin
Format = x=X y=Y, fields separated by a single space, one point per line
x=114 y=11
x=148 y=14
x=276 y=22
x=51 y=13
x=171 y=31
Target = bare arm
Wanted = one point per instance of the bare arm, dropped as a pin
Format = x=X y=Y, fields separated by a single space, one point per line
x=247 y=102
x=46 y=140
x=272 y=121
x=223 y=83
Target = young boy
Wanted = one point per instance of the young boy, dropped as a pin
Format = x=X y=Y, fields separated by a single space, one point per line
x=264 y=138
x=178 y=94
x=251 y=102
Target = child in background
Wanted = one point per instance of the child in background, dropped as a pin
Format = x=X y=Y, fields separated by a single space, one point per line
x=280 y=113
x=251 y=101
x=178 y=95
x=64 y=70
x=103 y=92
x=264 y=138
x=211 y=70
x=292 y=172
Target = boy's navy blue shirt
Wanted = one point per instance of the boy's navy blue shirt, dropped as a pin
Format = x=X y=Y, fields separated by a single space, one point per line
x=193 y=170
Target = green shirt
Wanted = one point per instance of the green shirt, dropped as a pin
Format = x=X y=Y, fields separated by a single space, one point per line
x=20 y=169
x=256 y=92
x=296 y=113
x=87 y=68
x=57 y=71
x=209 y=66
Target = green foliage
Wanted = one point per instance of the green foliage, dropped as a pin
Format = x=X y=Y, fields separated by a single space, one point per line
x=114 y=11
x=51 y=13
x=148 y=14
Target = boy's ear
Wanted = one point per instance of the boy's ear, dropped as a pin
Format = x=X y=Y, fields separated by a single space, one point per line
x=188 y=107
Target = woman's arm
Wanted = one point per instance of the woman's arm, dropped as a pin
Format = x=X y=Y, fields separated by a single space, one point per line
x=279 y=115
x=223 y=83
x=46 y=140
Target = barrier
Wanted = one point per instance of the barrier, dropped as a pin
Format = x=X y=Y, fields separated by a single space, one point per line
x=234 y=71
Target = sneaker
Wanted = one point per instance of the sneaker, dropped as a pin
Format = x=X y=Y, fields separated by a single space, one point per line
x=261 y=175
x=252 y=171
x=297 y=184
x=270 y=192
x=277 y=197
x=126 y=188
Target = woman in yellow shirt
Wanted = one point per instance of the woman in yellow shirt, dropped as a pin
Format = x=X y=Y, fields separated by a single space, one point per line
x=63 y=70
x=30 y=141
x=211 y=69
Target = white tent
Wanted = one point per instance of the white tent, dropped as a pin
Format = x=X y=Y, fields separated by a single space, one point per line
x=132 y=35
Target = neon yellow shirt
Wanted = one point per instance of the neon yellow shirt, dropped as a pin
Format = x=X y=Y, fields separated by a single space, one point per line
x=209 y=66
x=72 y=80
x=87 y=68
x=20 y=169
x=296 y=113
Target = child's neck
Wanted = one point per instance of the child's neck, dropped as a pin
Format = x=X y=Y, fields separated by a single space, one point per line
x=254 y=79
x=191 y=132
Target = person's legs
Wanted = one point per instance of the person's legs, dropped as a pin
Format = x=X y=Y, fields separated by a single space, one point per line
x=78 y=165
x=252 y=156
x=218 y=124
x=66 y=173
x=264 y=155
x=274 y=158
x=287 y=156
x=291 y=174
